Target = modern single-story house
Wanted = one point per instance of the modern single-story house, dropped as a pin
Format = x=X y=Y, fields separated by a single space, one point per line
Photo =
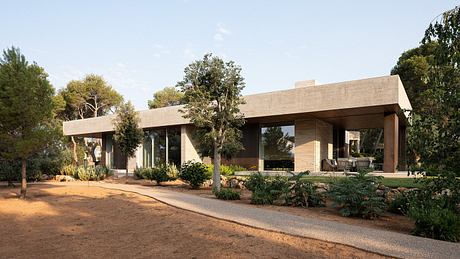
x=292 y=129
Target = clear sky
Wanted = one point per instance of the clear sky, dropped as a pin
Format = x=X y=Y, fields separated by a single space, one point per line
x=142 y=46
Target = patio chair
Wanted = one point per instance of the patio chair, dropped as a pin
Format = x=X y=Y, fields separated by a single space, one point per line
x=329 y=165
x=363 y=163
x=343 y=164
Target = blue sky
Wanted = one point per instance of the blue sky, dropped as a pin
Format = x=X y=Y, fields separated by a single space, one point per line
x=142 y=46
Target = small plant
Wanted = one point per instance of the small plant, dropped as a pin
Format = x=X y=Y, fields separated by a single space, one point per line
x=68 y=170
x=226 y=194
x=434 y=220
x=356 y=196
x=226 y=170
x=300 y=193
x=400 y=204
x=157 y=174
x=194 y=173
x=138 y=173
x=435 y=208
x=101 y=172
x=265 y=190
x=255 y=181
x=173 y=172
x=87 y=174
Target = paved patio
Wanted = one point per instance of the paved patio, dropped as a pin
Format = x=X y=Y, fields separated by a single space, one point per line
x=378 y=241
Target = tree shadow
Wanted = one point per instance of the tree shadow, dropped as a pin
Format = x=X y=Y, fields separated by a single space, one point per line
x=91 y=222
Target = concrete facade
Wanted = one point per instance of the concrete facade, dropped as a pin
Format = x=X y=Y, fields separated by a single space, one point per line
x=320 y=113
x=313 y=143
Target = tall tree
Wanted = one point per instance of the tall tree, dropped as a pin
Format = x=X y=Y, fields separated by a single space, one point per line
x=128 y=136
x=212 y=92
x=90 y=97
x=26 y=109
x=435 y=131
x=169 y=96
x=413 y=68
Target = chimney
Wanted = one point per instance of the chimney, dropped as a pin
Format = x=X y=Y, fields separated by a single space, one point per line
x=305 y=83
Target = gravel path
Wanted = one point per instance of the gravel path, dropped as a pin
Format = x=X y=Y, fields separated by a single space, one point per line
x=373 y=240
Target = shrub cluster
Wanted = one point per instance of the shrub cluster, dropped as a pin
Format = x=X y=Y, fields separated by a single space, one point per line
x=162 y=173
x=226 y=170
x=292 y=191
x=435 y=208
x=91 y=173
x=356 y=196
x=226 y=194
x=194 y=173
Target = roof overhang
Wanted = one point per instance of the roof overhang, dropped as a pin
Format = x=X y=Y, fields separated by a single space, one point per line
x=350 y=105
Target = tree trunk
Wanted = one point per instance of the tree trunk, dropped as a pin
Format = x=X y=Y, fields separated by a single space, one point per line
x=24 y=179
x=378 y=141
x=126 y=168
x=216 y=174
x=75 y=157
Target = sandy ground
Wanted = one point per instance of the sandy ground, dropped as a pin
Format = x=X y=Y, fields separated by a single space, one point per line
x=388 y=221
x=90 y=222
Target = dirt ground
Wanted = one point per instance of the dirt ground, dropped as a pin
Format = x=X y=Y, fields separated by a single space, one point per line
x=90 y=222
x=389 y=221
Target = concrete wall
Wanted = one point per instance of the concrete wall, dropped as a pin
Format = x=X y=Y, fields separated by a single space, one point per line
x=188 y=146
x=372 y=92
x=313 y=143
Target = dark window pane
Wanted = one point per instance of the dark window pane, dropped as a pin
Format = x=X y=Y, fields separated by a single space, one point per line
x=278 y=147
x=174 y=146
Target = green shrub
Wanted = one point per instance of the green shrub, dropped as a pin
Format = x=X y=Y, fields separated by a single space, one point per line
x=173 y=172
x=226 y=194
x=301 y=193
x=101 y=172
x=435 y=208
x=158 y=174
x=265 y=190
x=91 y=173
x=68 y=170
x=400 y=204
x=194 y=173
x=356 y=196
x=433 y=220
x=226 y=170
x=255 y=181
x=138 y=173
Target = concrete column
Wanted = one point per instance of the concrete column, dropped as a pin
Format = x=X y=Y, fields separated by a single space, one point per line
x=188 y=149
x=391 y=146
x=104 y=150
x=313 y=143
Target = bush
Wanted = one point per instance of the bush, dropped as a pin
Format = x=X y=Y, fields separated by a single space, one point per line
x=226 y=170
x=138 y=173
x=157 y=174
x=172 y=172
x=400 y=204
x=433 y=220
x=356 y=196
x=68 y=170
x=194 y=173
x=265 y=190
x=91 y=173
x=301 y=193
x=255 y=181
x=226 y=194
x=435 y=208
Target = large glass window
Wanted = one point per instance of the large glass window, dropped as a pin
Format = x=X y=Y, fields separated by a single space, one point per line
x=161 y=145
x=278 y=147
x=147 y=150
x=174 y=146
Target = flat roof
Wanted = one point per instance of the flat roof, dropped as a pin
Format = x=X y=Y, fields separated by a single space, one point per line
x=350 y=105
